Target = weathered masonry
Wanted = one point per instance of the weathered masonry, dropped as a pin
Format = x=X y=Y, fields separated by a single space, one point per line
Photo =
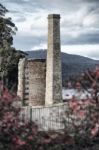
x=31 y=86
x=40 y=81
x=53 y=71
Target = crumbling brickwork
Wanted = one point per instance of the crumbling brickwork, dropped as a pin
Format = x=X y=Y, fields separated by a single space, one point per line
x=40 y=84
x=32 y=82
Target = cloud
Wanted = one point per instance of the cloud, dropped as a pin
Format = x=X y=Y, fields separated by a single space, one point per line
x=86 y=50
x=28 y=42
x=76 y=39
x=93 y=1
x=94 y=54
x=79 y=22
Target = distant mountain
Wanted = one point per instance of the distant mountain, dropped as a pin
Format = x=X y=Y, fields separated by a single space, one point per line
x=72 y=65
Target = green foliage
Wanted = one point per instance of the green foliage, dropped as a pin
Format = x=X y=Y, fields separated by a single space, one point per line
x=7 y=28
x=9 y=66
x=9 y=57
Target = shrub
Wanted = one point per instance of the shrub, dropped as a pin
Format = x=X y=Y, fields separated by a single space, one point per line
x=81 y=126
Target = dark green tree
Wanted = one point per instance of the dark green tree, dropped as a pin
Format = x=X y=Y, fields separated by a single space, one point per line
x=9 y=56
x=7 y=29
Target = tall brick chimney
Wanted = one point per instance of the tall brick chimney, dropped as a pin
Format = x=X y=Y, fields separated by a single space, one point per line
x=53 y=70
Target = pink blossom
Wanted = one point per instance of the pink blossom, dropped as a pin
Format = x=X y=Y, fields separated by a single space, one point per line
x=74 y=105
x=81 y=114
x=18 y=141
x=81 y=102
x=30 y=137
x=46 y=140
x=7 y=95
x=21 y=142
x=87 y=103
x=94 y=131
x=35 y=130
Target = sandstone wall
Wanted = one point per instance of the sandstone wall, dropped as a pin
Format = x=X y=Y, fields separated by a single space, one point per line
x=31 y=87
x=21 y=77
x=53 y=74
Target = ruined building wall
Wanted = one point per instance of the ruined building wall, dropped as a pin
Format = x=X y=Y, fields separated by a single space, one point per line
x=31 y=77
x=21 y=76
x=40 y=84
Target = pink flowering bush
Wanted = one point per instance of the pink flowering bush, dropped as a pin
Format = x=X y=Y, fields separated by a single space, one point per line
x=81 y=121
x=82 y=115
x=15 y=134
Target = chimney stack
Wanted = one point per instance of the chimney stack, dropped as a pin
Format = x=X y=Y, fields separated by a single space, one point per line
x=53 y=69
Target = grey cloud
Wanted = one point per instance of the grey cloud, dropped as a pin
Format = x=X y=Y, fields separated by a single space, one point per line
x=20 y=19
x=82 y=39
x=94 y=54
x=65 y=7
x=14 y=11
x=27 y=42
x=26 y=6
x=31 y=5
x=94 y=1
x=15 y=1
x=74 y=21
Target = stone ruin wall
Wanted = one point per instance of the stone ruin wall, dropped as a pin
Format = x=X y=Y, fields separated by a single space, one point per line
x=31 y=77
x=21 y=69
x=40 y=83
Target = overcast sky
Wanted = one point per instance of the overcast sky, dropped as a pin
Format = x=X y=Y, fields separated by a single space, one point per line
x=79 y=24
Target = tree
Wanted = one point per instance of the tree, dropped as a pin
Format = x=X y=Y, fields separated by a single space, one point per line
x=9 y=57
x=7 y=29
x=9 y=66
